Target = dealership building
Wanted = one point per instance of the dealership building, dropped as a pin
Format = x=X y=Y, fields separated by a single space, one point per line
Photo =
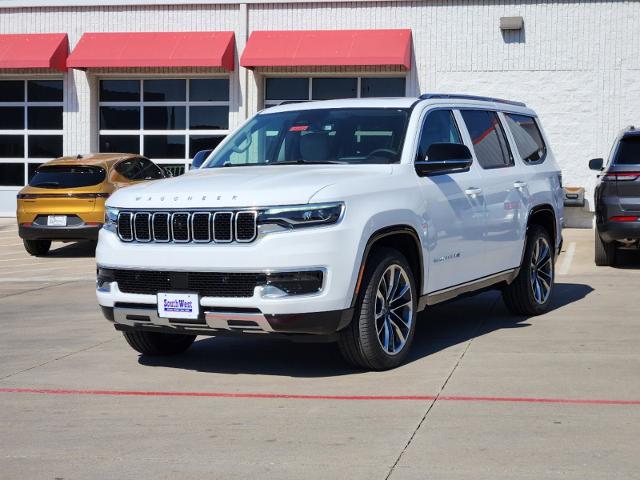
x=168 y=78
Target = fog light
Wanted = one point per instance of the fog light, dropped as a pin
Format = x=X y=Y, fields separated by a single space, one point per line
x=104 y=279
x=283 y=284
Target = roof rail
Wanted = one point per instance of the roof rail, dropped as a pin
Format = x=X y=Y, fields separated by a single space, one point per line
x=429 y=96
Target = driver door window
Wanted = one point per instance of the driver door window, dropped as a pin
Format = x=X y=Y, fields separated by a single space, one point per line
x=439 y=127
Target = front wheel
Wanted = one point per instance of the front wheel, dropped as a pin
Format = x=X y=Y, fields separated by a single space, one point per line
x=156 y=343
x=37 y=248
x=530 y=293
x=383 y=327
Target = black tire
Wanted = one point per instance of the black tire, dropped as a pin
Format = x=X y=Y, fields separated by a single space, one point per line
x=156 y=343
x=37 y=248
x=605 y=252
x=519 y=295
x=358 y=342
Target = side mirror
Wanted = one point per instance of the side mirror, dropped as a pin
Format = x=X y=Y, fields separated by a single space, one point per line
x=444 y=158
x=596 y=164
x=199 y=158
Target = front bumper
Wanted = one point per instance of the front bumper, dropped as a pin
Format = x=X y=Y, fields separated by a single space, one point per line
x=220 y=322
x=81 y=232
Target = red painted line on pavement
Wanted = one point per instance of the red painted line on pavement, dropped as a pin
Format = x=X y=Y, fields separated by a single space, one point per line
x=449 y=398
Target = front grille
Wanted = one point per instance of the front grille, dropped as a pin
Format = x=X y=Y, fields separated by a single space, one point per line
x=206 y=284
x=184 y=227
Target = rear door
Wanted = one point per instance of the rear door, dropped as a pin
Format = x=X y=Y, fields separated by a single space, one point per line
x=626 y=168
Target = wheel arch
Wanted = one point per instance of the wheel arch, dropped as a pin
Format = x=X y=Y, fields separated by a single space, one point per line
x=544 y=215
x=403 y=238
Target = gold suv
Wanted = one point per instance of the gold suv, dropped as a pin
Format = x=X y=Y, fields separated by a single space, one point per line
x=65 y=198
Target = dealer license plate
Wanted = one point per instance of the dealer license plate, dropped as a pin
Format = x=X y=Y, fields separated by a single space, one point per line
x=57 y=221
x=178 y=305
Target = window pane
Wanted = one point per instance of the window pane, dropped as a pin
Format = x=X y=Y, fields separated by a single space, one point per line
x=287 y=89
x=44 y=91
x=488 y=138
x=119 y=90
x=11 y=146
x=11 y=118
x=202 y=142
x=382 y=87
x=439 y=127
x=119 y=118
x=209 y=89
x=629 y=151
x=139 y=169
x=210 y=118
x=164 y=118
x=12 y=174
x=11 y=91
x=45 y=146
x=32 y=167
x=173 y=169
x=164 y=146
x=329 y=88
x=67 y=176
x=165 y=90
x=527 y=136
x=120 y=143
x=44 y=118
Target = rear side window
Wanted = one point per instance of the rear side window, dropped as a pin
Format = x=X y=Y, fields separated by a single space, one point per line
x=67 y=176
x=528 y=138
x=629 y=151
x=139 y=169
x=489 y=140
x=439 y=127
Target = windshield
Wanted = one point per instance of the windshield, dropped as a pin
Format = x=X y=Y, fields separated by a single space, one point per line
x=345 y=135
x=67 y=176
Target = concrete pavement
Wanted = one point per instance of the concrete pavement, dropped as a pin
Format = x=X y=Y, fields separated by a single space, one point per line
x=484 y=395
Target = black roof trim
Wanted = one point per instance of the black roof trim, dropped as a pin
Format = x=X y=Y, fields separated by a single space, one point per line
x=455 y=96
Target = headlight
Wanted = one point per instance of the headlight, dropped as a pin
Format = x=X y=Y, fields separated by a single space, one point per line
x=301 y=216
x=111 y=219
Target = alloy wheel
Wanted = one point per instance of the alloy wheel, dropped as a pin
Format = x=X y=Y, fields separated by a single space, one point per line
x=394 y=309
x=541 y=275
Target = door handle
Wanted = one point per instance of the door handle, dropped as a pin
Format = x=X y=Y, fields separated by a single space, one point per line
x=519 y=185
x=473 y=191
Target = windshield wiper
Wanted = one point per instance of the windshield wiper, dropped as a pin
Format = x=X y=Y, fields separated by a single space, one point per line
x=308 y=162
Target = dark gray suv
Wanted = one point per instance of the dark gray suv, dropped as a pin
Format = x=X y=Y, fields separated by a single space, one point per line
x=617 y=197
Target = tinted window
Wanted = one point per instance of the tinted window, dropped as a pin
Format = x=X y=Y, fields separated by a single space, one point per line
x=439 y=127
x=44 y=118
x=45 y=91
x=202 y=142
x=11 y=118
x=165 y=118
x=628 y=151
x=12 y=174
x=287 y=89
x=164 y=146
x=165 y=90
x=119 y=90
x=329 y=88
x=119 y=118
x=32 y=167
x=11 y=146
x=489 y=141
x=209 y=118
x=120 y=143
x=139 y=169
x=45 y=146
x=66 y=176
x=527 y=136
x=11 y=91
x=209 y=90
x=382 y=87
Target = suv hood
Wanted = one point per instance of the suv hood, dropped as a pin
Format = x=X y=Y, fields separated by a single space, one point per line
x=243 y=186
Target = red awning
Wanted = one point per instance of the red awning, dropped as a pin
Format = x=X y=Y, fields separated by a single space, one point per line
x=34 y=50
x=328 y=48
x=154 y=49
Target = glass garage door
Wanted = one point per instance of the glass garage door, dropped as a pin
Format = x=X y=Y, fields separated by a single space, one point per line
x=167 y=120
x=30 y=127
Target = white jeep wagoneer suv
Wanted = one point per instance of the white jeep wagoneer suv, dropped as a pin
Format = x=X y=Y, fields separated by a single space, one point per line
x=340 y=219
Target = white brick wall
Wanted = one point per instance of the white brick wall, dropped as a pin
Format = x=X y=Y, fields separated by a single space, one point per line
x=575 y=63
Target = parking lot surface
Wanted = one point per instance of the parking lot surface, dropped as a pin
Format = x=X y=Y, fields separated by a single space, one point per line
x=485 y=395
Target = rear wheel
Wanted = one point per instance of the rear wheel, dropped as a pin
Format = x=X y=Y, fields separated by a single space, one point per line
x=382 y=330
x=156 y=343
x=605 y=252
x=530 y=293
x=37 y=247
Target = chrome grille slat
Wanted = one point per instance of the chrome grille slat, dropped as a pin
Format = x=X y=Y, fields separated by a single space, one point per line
x=188 y=227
